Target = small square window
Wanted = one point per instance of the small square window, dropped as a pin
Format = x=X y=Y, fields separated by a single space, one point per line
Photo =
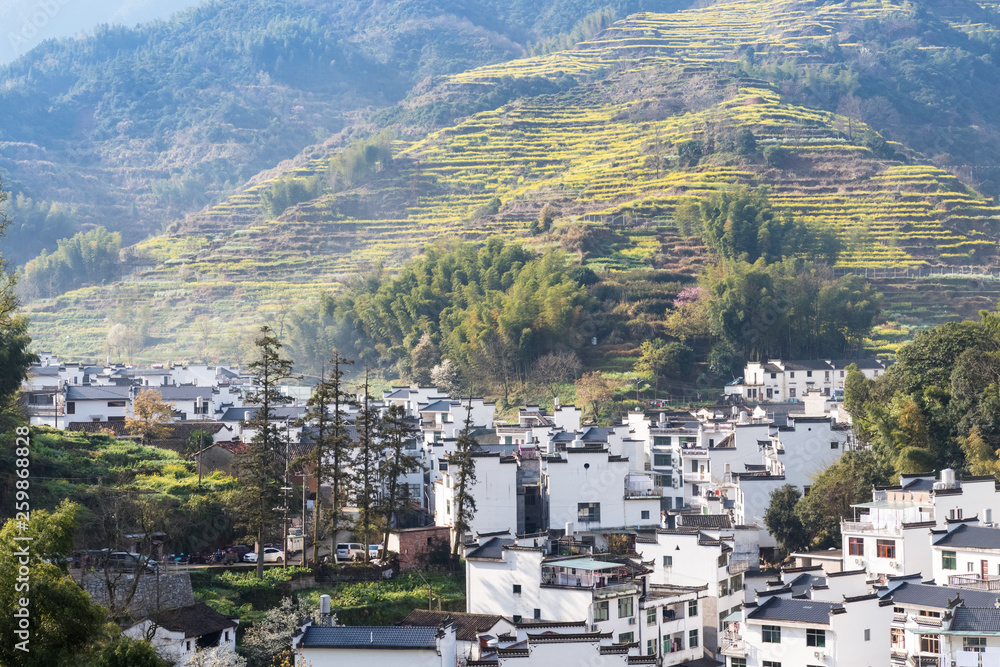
x=668 y=561
x=538 y=614
x=770 y=634
x=644 y=514
x=815 y=638
x=868 y=634
x=651 y=616
x=693 y=639
x=692 y=607
x=517 y=589
x=834 y=444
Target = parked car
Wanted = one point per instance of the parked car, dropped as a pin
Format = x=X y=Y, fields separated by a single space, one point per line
x=235 y=553
x=122 y=561
x=374 y=551
x=350 y=551
x=271 y=555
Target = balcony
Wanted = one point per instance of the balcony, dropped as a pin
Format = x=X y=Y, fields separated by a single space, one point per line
x=654 y=492
x=615 y=590
x=975 y=581
x=738 y=566
x=733 y=645
x=927 y=621
x=868 y=527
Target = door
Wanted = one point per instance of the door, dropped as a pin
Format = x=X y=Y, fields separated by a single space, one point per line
x=985 y=568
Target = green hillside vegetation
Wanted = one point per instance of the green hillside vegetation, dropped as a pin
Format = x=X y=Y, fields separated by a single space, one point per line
x=664 y=111
x=87 y=257
x=97 y=472
x=130 y=128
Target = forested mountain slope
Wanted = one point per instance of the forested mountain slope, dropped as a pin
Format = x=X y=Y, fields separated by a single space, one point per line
x=829 y=105
x=134 y=127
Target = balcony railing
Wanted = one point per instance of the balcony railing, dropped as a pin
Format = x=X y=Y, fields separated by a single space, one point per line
x=615 y=590
x=868 y=527
x=738 y=566
x=975 y=581
x=654 y=492
x=733 y=645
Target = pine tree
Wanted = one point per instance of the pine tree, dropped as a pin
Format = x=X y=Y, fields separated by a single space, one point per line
x=395 y=433
x=332 y=446
x=366 y=463
x=465 y=463
x=261 y=467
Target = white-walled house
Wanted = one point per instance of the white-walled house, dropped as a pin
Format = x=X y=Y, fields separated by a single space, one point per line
x=919 y=627
x=779 y=381
x=588 y=489
x=694 y=557
x=376 y=646
x=966 y=555
x=782 y=632
x=890 y=536
x=495 y=493
x=97 y=404
x=178 y=634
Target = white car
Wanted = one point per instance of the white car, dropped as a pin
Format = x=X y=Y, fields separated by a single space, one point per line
x=271 y=555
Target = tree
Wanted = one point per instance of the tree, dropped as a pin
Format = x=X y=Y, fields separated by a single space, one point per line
x=366 y=463
x=782 y=521
x=270 y=639
x=60 y=621
x=980 y=457
x=464 y=462
x=396 y=433
x=661 y=359
x=217 y=656
x=150 y=417
x=446 y=377
x=124 y=651
x=555 y=368
x=593 y=389
x=423 y=357
x=332 y=447
x=124 y=339
x=262 y=466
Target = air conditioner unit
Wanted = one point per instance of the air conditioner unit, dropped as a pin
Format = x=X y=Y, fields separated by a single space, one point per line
x=893 y=564
x=859 y=561
x=631 y=621
x=593 y=627
x=820 y=655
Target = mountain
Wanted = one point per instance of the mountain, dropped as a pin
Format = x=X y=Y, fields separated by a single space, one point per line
x=844 y=111
x=131 y=128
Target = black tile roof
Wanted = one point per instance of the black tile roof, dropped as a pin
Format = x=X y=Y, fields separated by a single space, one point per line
x=985 y=620
x=101 y=393
x=975 y=537
x=491 y=549
x=467 y=626
x=370 y=637
x=706 y=520
x=182 y=393
x=194 y=620
x=929 y=595
x=278 y=413
x=803 y=611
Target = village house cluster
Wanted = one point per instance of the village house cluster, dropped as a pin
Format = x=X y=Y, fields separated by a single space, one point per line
x=639 y=543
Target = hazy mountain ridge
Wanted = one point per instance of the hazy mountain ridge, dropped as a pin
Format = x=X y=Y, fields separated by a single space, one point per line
x=133 y=127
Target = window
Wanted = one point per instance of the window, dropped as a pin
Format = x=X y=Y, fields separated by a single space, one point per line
x=116 y=404
x=885 y=548
x=650 y=646
x=723 y=560
x=856 y=546
x=809 y=374
x=443 y=466
x=517 y=589
x=774 y=376
x=949 y=560
x=771 y=663
x=770 y=634
x=930 y=644
x=625 y=638
x=868 y=634
x=955 y=514
x=975 y=644
x=693 y=638
x=651 y=616
x=791 y=393
x=834 y=444
x=625 y=608
x=588 y=511
x=601 y=611
x=70 y=408
x=897 y=638
x=644 y=514
x=227 y=635
x=668 y=561
x=970 y=567
x=738 y=662
x=692 y=607
x=791 y=374
x=187 y=645
x=815 y=638
x=538 y=614
x=929 y=614
x=662 y=460
x=694 y=466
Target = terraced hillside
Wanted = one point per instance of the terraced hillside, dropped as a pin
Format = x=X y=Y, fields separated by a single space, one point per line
x=651 y=123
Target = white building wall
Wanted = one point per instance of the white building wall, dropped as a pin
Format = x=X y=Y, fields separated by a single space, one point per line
x=585 y=477
x=372 y=658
